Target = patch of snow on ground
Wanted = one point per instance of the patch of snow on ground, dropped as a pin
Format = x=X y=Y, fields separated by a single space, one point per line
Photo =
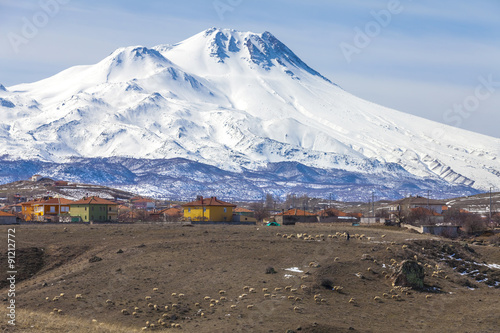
x=294 y=269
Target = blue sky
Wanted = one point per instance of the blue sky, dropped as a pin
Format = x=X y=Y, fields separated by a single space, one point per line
x=436 y=59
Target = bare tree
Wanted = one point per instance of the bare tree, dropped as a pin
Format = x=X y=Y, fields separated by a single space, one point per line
x=260 y=212
x=269 y=201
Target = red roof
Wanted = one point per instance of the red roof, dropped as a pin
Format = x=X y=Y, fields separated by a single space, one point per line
x=31 y=202
x=213 y=201
x=5 y=214
x=332 y=212
x=54 y=201
x=171 y=211
x=93 y=201
x=242 y=210
x=142 y=200
x=296 y=211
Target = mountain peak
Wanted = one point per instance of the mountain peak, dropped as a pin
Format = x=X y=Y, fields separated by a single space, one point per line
x=2 y=88
x=264 y=50
x=235 y=100
x=134 y=62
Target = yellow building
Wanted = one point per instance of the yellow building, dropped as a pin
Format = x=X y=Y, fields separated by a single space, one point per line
x=27 y=209
x=212 y=209
x=49 y=210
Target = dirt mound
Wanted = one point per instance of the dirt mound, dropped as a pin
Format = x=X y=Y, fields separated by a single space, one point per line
x=28 y=262
x=32 y=261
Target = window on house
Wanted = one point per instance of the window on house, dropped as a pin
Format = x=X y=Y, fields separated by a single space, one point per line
x=204 y=209
x=225 y=210
x=189 y=210
x=52 y=209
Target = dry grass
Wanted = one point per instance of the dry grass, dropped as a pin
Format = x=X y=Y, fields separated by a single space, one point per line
x=178 y=267
x=38 y=322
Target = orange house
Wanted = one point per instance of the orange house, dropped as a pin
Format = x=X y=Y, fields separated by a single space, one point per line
x=27 y=209
x=51 y=208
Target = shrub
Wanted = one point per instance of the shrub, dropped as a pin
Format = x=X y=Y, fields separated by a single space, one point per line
x=270 y=270
x=327 y=283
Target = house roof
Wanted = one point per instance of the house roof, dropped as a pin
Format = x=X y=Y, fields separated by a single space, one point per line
x=93 y=201
x=171 y=211
x=5 y=214
x=142 y=200
x=331 y=212
x=212 y=201
x=54 y=201
x=31 y=202
x=296 y=211
x=242 y=210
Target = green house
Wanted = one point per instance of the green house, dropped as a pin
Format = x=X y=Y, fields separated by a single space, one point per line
x=94 y=209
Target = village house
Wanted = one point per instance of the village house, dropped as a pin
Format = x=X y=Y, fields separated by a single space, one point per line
x=295 y=215
x=27 y=209
x=208 y=209
x=243 y=215
x=243 y=212
x=331 y=215
x=94 y=209
x=48 y=209
x=405 y=206
x=14 y=209
x=172 y=214
x=142 y=203
x=7 y=218
x=36 y=178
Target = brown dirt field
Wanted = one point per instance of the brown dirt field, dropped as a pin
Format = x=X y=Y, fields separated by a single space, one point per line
x=200 y=261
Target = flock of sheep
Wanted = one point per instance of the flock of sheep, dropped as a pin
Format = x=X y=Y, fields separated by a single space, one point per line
x=168 y=314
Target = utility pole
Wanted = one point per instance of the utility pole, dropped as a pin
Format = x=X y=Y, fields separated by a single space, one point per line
x=490 y=204
x=373 y=204
x=428 y=194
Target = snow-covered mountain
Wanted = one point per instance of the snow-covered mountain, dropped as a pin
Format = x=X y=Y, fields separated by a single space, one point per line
x=237 y=101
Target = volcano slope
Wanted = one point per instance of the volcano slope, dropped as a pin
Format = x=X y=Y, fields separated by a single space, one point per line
x=213 y=278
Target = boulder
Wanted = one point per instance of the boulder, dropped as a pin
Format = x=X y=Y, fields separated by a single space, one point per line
x=409 y=274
